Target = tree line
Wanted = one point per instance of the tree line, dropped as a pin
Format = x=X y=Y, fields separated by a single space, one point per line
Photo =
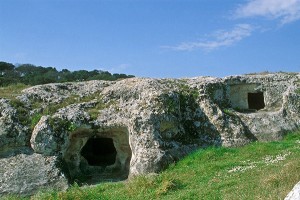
x=30 y=74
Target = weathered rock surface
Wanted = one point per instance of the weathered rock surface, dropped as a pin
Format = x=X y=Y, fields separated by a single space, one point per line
x=96 y=131
x=26 y=173
x=294 y=194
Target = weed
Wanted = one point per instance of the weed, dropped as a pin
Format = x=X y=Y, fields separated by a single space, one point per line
x=22 y=111
x=166 y=185
x=155 y=185
x=35 y=119
x=94 y=112
x=144 y=183
x=229 y=111
x=60 y=125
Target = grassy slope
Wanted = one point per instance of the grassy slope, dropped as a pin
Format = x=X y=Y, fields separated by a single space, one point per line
x=258 y=171
x=10 y=92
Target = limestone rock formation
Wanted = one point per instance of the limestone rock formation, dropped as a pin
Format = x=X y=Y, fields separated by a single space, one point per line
x=95 y=131
x=26 y=172
x=294 y=194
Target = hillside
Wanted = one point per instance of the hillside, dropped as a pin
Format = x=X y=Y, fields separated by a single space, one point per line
x=58 y=134
x=256 y=171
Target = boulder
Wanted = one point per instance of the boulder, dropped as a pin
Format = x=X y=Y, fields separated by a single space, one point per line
x=27 y=172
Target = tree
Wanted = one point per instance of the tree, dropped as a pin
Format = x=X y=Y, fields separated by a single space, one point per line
x=81 y=75
x=122 y=76
x=4 y=66
x=10 y=77
x=34 y=75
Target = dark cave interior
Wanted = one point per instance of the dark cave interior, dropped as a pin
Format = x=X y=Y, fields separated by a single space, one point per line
x=256 y=100
x=99 y=151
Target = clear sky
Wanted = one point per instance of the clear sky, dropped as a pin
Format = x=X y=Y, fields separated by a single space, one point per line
x=153 y=38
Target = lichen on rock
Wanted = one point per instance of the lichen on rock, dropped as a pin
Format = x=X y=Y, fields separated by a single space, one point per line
x=142 y=124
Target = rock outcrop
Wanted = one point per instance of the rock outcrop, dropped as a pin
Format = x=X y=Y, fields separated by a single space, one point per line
x=95 y=131
x=294 y=194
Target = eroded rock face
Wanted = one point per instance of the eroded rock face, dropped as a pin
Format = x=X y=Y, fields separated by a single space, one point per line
x=25 y=173
x=151 y=123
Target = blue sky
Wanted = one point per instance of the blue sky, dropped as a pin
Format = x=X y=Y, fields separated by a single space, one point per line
x=153 y=38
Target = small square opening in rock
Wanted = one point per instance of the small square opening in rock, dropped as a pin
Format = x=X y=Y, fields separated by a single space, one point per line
x=256 y=100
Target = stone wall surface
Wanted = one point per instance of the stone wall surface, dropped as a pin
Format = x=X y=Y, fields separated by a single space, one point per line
x=152 y=122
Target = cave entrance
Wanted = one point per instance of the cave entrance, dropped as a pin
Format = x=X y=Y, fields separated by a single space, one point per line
x=94 y=157
x=99 y=152
x=256 y=100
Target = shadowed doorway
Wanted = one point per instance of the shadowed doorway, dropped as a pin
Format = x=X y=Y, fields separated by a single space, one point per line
x=256 y=100
x=99 y=152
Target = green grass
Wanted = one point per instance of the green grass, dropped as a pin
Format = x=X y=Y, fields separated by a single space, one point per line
x=229 y=111
x=256 y=171
x=11 y=91
x=298 y=87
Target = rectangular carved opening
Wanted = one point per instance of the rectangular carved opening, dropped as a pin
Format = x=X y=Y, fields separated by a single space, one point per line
x=256 y=100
